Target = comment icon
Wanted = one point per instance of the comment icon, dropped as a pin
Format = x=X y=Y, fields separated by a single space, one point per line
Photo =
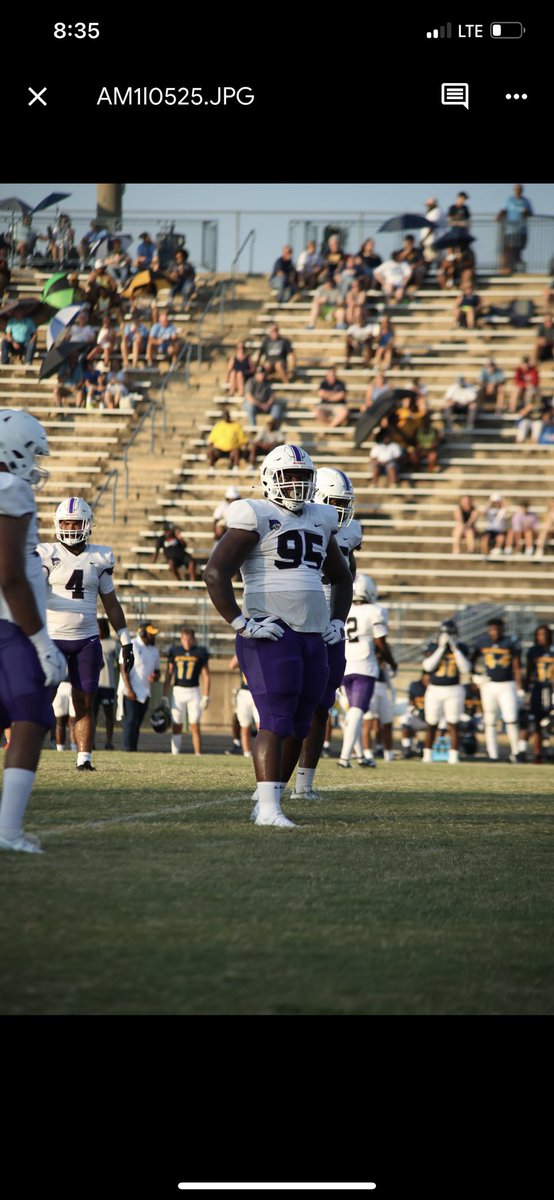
x=455 y=93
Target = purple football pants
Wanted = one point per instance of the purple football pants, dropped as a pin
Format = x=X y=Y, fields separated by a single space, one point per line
x=23 y=692
x=359 y=690
x=287 y=679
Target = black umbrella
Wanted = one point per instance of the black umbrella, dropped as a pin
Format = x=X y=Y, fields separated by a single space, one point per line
x=51 y=198
x=405 y=221
x=57 y=355
x=26 y=306
x=371 y=417
x=453 y=237
x=15 y=205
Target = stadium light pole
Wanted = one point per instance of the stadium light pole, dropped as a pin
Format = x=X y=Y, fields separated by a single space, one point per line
x=109 y=204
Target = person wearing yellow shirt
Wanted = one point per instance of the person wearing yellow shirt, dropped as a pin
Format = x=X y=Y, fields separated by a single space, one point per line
x=226 y=440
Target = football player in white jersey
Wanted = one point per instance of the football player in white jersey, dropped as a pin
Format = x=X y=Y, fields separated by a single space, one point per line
x=77 y=573
x=282 y=545
x=29 y=662
x=366 y=630
x=333 y=487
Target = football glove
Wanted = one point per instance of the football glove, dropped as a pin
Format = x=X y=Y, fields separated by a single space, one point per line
x=128 y=658
x=334 y=632
x=266 y=628
x=52 y=661
x=204 y=703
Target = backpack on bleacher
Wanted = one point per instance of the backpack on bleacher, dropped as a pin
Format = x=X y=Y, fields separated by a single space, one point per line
x=520 y=312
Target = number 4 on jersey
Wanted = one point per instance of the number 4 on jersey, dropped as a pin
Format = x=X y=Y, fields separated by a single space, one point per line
x=75 y=585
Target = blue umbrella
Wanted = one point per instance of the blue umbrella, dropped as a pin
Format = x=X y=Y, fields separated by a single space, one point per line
x=58 y=325
x=405 y=221
x=51 y=198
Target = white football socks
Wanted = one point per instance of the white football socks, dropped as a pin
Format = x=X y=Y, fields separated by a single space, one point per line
x=453 y=756
x=16 y=790
x=352 y=727
x=82 y=757
x=513 y=736
x=491 y=741
x=58 y=747
x=176 y=743
x=388 y=755
x=427 y=754
x=269 y=796
x=304 y=779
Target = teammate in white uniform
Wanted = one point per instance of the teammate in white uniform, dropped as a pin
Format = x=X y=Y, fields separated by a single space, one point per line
x=282 y=545
x=77 y=573
x=366 y=630
x=245 y=709
x=333 y=487
x=29 y=662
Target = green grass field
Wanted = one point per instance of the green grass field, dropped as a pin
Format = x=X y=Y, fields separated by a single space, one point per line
x=421 y=889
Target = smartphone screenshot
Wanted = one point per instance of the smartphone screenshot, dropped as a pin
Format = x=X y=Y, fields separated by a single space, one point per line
x=294 y=366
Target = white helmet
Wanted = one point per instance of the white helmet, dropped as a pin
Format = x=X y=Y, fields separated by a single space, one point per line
x=332 y=485
x=275 y=477
x=22 y=438
x=364 y=589
x=73 y=509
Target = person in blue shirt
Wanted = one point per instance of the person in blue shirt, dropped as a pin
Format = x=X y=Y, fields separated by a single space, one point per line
x=145 y=253
x=20 y=339
x=514 y=218
x=162 y=339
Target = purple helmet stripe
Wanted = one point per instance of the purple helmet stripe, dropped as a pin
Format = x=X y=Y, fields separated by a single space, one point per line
x=297 y=453
x=71 y=504
x=345 y=479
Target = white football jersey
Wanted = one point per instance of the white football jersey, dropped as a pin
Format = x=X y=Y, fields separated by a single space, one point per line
x=282 y=574
x=17 y=500
x=363 y=624
x=349 y=538
x=73 y=582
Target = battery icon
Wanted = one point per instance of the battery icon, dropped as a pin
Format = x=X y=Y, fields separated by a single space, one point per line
x=507 y=29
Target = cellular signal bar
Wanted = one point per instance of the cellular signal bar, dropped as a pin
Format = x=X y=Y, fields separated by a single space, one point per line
x=440 y=32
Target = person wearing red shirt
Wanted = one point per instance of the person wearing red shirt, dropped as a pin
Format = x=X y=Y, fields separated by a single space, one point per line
x=526 y=384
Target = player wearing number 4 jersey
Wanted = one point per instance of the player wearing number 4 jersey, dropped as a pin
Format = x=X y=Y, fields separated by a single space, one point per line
x=77 y=573
x=282 y=545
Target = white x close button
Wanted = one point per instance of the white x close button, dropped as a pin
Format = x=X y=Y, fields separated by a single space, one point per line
x=36 y=96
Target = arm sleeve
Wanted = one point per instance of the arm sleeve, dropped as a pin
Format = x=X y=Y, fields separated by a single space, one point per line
x=433 y=657
x=105 y=573
x=241 y=515
x=461 y=655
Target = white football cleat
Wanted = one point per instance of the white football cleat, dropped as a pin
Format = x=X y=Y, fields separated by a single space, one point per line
x=310 y=794
x=255 y=811
x=279 y=819
x=25 y=842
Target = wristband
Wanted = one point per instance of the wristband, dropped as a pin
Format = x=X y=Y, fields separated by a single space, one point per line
x=124 y=636
x=239 y=622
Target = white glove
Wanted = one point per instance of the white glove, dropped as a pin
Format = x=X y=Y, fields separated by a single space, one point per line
x=267 y=628
x=453 y=640
x=334 y=632
x=204 y=702
x=478 y=679
x=52 y=661
x=520 y=695
x=443 y=640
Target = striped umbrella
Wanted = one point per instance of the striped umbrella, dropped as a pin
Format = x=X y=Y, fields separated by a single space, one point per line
x=58 y=292
x=61 y=322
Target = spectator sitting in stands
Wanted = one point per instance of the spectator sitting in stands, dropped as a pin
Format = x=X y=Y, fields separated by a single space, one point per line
x=354 y=310
x=433 y=213
x=334 y=255
x=546 y=436
x=283 y=276
x=82 y=333
x=360 y=339
x=447 y=268
x=370 y=260
x=461 y=398
x=267 y=439
x=220 y=511
x=465 y=518
x=309 y=266
x=116 y=384
x=240 y=369
x=496 y=523
x=523 y=530
x=420 y=392
x=89 y=242
x=375 y=390
x=279 y=355
x=95 y=381
x=492 y=385
x=546 y=531
x=544 y=345
x=385 y=456
x=25 y=237
x=106 y=341
x=134 y=336
x=145 y=253
x=526 y=384
x=394 y=276
x=163 y=339
x=531 y=418
x=385 y=349
x=101 y=289
x=20 y=339
x=259 y=397
x=183 y=277
x=413 y=256
x=350 y=272
x=174 y=547
x=333 y=407
x=464 y=266
x=467 y=309
x=459 y=216
x=427 y=441
x=327 y=296
x=117 y=263
x=71 y=382
x=226 y=440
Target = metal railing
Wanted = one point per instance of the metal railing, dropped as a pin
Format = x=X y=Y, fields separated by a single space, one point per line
x=150 y=411
x=112 y=475
x=250 y=238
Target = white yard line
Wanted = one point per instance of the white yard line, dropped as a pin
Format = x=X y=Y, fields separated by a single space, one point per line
x=129 y=818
